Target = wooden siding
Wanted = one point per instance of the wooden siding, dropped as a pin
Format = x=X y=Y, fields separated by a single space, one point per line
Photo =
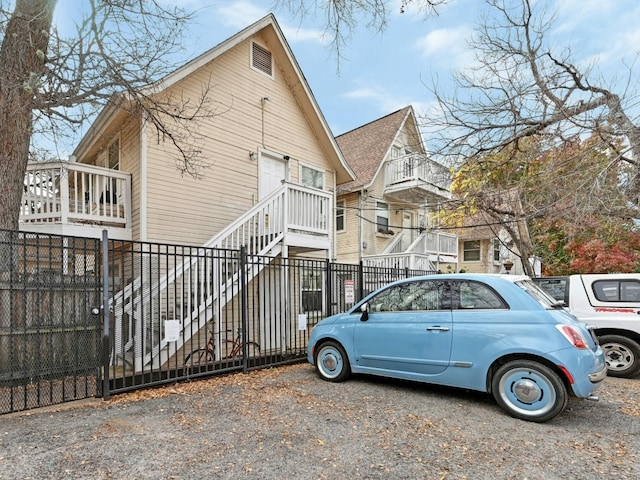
x=190 y=210
x=130 y=163
x=348 y=240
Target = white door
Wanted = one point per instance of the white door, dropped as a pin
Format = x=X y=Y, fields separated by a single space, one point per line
x=408 y=234
x=272 y=172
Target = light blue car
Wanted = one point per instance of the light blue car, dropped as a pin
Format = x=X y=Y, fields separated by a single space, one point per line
x=495 y=334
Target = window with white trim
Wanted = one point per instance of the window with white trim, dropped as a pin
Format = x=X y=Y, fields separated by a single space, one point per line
x=471 y=251
x=382 y=217
x=311 y=177
x=340 y=223
x=311 y=291
x=496 y=249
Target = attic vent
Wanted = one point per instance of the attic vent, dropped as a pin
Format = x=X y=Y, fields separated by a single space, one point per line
x=261 y=59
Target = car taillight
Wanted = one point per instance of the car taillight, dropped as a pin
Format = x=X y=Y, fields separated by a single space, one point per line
x=573 y=335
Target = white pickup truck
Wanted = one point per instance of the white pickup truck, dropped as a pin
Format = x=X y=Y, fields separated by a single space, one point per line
x=611 y=304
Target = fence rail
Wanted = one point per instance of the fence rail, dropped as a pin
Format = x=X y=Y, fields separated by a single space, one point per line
x=229 y=311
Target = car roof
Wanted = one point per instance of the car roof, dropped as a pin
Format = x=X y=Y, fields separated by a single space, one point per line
x=505 y=284
x=490 y=278
x=471 y=276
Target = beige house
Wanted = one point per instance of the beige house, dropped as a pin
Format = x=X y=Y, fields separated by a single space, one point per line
x=266 y=134
x=385 y=217
x=485 y=250
x=271 y=167
x=486 y=246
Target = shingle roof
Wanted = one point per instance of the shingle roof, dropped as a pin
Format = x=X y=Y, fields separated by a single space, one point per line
x=365 y=147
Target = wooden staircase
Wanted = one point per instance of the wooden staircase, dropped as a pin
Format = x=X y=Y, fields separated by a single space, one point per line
x=195 y=291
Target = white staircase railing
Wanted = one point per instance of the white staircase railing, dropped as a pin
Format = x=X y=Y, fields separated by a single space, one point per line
x=396 y=245
x=201 y=285
x=424 y=253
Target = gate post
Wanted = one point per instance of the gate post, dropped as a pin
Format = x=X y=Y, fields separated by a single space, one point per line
x=360 y=281
x=329 y=287
x=243 y=306
x=106 y=314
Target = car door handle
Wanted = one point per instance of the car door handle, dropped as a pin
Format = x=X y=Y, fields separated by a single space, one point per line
x=438 y=328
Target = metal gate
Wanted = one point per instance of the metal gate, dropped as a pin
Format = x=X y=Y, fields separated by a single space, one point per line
x=49 y=341
x=82 y=317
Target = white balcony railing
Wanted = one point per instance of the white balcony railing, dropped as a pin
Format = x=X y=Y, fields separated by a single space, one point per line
x=418 y=168
x=74 y=193
x=436 y=243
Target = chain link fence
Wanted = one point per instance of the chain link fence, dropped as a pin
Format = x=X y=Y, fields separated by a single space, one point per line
x=49 y=341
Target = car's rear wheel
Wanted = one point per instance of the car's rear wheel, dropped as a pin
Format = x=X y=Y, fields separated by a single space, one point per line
x=621 y=354
x=529 y=390
x=331 y=362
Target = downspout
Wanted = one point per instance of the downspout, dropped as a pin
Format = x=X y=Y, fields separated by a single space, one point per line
x=143 y=178
x=360 y=227
x=331 y=219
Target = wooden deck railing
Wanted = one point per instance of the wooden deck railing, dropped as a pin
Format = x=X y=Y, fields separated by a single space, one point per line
x=74 y=193
x=417 y=167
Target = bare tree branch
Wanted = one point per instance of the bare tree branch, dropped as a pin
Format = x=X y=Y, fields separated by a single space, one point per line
x=520 y=87
x=343 y=17
x=51 y=82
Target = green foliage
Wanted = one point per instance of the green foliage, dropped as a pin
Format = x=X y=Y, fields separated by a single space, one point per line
x=569 y=195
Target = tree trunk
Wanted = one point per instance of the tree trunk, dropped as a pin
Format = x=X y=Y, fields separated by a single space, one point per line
x=22 y=56
x=618 y=116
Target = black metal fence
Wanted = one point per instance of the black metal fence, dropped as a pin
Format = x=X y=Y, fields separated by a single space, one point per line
x=85 y=317
x=49 y=341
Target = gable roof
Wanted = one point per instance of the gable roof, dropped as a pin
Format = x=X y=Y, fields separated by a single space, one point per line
x=269 y=27
x=366 y=147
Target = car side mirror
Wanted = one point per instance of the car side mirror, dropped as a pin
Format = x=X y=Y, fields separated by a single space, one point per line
x=364 y=308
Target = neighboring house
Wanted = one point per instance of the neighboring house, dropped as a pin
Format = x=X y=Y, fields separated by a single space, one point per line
x=486 y=246
x=272 y=170
x=485 y=250
x=385 y=217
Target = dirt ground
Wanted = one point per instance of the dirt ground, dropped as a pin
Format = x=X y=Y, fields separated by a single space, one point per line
x=287 y=423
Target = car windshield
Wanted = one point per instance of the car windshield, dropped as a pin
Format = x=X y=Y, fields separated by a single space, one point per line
x=546 y=300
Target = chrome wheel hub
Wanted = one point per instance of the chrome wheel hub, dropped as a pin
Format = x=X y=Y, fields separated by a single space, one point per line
x=329 y=362
x=526 y=390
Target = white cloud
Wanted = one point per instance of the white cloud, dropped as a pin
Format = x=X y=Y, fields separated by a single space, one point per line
x=446 y=46
x=363 y=93
x=386 y=101
x=293 y=34
x=239 y=14
x=440 y=41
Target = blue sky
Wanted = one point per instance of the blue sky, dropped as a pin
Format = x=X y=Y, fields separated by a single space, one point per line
x=382 y=72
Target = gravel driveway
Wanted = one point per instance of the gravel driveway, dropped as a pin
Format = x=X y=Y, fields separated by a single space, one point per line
x=286 y=423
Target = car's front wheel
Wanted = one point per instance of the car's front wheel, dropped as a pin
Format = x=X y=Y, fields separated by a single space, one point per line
x=529 y=390
x=621 y=354
x=331 y=362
